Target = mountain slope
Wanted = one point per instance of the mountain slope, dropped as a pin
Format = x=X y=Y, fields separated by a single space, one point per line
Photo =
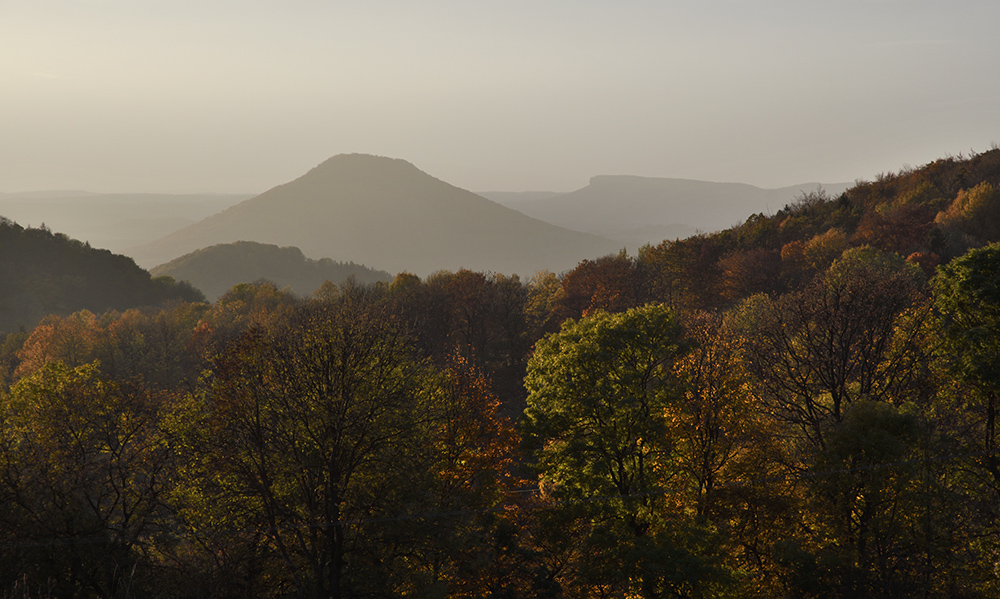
x=45 y=273
x=214 y=270
x=388 y=214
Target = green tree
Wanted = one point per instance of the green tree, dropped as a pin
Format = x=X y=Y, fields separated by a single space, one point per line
x=967 y=296
x=600 y=391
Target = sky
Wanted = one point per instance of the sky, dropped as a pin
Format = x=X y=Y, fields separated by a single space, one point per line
x=184 y=96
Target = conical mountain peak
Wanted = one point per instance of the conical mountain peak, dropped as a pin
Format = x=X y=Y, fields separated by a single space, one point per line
x=387 y=213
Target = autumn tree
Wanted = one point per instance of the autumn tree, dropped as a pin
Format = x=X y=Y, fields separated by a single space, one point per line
x=816 y=350
x=903 y=229
x=82 y=472
x=70 y=340
x=820 y=251
x=609 y=283
x=839 y=366
x=685 y=273
x=479 y=316
x=249 y=305
x=165 y=348
x=314 y=439
x=745 y=273
x=971 y=218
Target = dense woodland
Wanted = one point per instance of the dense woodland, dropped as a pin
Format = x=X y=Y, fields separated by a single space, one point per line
x=43 y=273
x=804 y=405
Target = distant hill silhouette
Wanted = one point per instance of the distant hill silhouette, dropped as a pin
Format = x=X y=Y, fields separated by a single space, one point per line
x=45 y=273
x=114 y=221
x=214 y=270
x=386 y=213
x=511 y=199
x=636 y=210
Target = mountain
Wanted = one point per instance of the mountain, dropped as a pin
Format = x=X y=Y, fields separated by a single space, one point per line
x=115 y=221
x=388 y=214
x=636 y=210
x=214 y=270
x=43 y=273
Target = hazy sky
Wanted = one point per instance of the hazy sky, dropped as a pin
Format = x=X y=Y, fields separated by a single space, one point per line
x=242 y=95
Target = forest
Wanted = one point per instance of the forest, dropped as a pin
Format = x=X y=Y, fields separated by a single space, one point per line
x=803 y=405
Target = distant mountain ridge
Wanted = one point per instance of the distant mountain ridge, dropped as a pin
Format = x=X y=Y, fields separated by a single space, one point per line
x=386 y=213
x=630 y=208
x=215 y=269
x=114 y=221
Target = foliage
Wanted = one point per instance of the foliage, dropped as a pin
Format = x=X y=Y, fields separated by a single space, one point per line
x=315 y=426
x=942 y=209
x=972 y=218
x=600 y=394
x=48 y=273
x=967 y=296
x=82 y=471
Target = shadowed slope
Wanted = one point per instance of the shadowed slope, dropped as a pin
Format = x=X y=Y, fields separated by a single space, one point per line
x=214 y=270
x=43 y=273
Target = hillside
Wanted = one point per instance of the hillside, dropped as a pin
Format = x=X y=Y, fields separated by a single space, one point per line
x=214 y=270
x=928 y=216
x=386 y=213
x=45 y=273
x=637 y=210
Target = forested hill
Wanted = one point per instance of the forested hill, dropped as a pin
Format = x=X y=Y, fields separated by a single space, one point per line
x=927 y=215
x=43 y=273
x=785 y=409
x=214 y=270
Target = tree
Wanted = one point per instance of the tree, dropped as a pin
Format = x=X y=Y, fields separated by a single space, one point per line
x=824 y=248
x=722 y=441
x=475 y=447
x=599 y=394
x=83 y=471
x=971 y=219
x=69 y=340
x=312 y=440
x=816 y=350
x=967 y=297
x=841 y=370
x=163 y=348
x=543 y=292
x=902 y=229
x=610 y=283
x=744 y=273
x=249 y=305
